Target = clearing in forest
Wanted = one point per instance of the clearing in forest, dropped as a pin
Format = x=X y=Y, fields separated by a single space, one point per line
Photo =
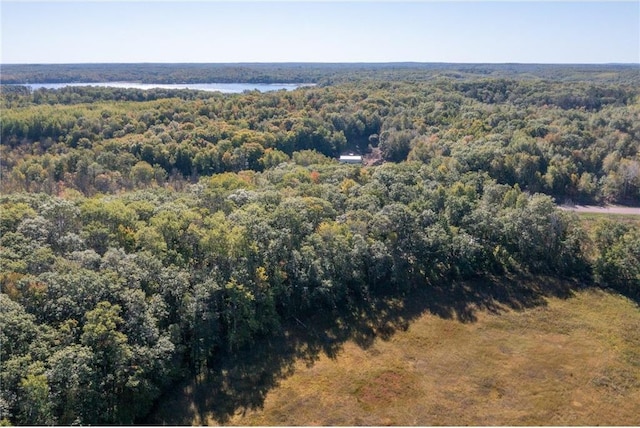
x=570 y=362
x=563 y=361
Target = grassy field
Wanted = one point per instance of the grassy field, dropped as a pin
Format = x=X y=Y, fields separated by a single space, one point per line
x=571 y=360
x=590 y=219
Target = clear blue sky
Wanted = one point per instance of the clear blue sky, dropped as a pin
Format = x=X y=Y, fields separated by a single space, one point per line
x=321 y=31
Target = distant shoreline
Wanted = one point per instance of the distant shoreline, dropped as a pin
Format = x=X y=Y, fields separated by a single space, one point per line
x=235 y=87
x=310 y=72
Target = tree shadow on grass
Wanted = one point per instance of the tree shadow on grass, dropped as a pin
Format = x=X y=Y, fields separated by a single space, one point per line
x=240 y=381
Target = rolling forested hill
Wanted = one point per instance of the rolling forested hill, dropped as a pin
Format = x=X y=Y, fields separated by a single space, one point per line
x=312 y=72
x=151 y=237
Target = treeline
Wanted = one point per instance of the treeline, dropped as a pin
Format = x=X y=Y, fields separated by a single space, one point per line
x=107 y=300
x=321 y=73
x=20 y=96
x=574 y=141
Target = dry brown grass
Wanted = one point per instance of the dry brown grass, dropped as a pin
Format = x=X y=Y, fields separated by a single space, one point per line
x=573 y=361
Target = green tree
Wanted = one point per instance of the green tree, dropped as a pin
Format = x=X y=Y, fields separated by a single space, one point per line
x=112 y=356
x=142 y=174
x=74 y=384
x=35 y=406
x=396 y=145
x=618 y=261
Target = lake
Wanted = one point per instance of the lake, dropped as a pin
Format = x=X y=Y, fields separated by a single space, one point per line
x=226 y=88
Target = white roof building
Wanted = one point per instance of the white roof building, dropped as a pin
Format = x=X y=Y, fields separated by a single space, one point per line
x=351 y=159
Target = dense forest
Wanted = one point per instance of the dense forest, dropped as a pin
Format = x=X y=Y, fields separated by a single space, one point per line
x=573 y=140
x=146 y=234
x=322 y=73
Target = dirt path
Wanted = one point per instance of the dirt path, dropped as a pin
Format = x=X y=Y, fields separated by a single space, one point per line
x=608 y=209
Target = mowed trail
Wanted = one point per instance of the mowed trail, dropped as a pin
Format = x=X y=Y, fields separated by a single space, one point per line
x=607 y=209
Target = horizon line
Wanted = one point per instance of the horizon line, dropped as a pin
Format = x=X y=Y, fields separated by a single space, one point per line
x=316 y=63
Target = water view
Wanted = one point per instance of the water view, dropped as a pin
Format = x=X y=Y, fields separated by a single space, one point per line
x=226 y=88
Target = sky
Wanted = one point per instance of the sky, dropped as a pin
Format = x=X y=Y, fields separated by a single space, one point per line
x=209 y=31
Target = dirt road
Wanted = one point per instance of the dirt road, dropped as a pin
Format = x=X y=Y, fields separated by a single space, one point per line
x=607 y=209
